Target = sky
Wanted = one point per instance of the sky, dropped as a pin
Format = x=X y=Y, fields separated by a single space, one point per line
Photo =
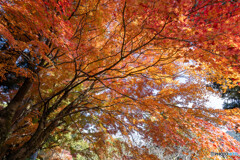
x=215 y=102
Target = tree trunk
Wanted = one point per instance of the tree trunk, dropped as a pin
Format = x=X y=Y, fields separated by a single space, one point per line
x=34 y=143
x=7 y=114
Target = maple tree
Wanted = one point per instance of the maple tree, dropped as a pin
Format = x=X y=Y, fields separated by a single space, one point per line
x=114 y=66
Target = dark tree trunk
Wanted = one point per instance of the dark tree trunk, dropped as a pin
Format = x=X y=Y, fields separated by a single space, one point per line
x=7 y=114
x=34 y=143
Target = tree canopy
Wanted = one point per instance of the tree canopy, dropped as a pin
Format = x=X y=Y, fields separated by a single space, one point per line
x=101 y=68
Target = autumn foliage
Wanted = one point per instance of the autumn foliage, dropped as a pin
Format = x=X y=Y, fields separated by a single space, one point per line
x=117 y=66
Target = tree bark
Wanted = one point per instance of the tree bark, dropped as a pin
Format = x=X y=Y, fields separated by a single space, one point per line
x=33 y=144
x=7 y=114
x=38 y=139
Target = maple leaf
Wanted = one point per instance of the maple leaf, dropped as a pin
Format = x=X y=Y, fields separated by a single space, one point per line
x=115 y=66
